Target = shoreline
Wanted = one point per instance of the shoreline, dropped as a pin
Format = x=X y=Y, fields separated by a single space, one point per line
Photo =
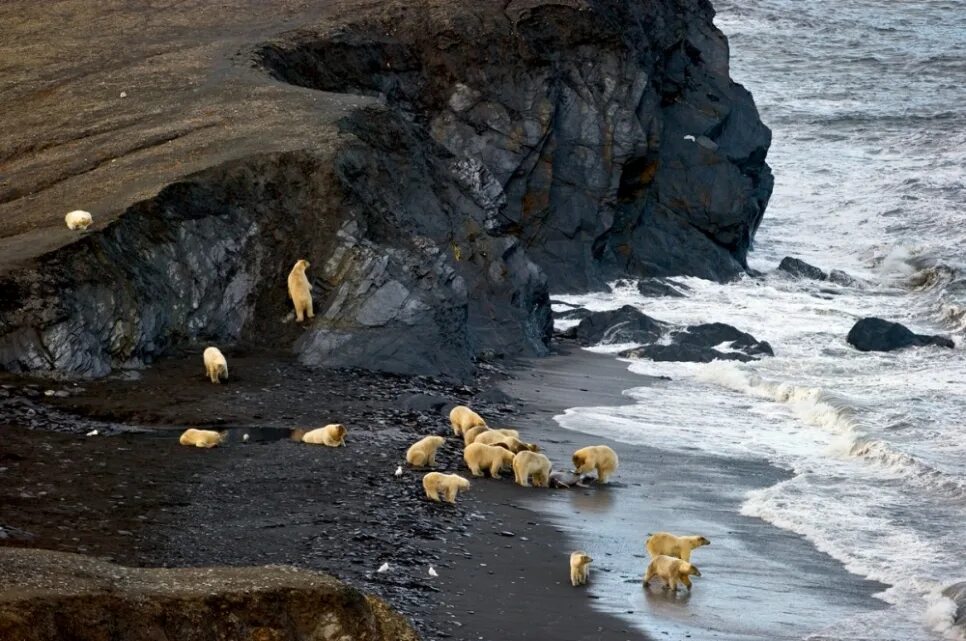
x=501 y=554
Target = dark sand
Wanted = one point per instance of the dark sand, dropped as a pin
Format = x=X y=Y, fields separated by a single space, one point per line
x=501 y=553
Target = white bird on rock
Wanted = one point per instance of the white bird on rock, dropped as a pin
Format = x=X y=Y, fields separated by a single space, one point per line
x=383 y=568
x=399 y=471
x=93 y=433
x=432 y=572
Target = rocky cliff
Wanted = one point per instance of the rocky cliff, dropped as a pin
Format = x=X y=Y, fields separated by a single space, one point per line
x=441 y=165
x=50 y=596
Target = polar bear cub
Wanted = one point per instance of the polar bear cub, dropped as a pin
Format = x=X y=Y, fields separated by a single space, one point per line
x=448 y=485
x=599 y=457
x=527 y=464
x=300 y=291
x=579 y=568
x=202 y=438
x=463 y=418
x=215 y=365
x=481 y=457
x=677 y=546
x=78 y=219
x=493 y=437
x=469 y=436
x=671 y=570
x=422 y=453
x=331 y=436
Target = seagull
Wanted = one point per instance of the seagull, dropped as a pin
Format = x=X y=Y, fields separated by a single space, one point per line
x=245 y=437
x=691 y=138
x=92 y=433
x=432 y=572
x=383 y=568
x=399 y=471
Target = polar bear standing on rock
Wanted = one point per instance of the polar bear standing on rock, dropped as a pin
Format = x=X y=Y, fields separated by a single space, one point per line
x=677 y=546
x=331 y=436
x=599 y=457
x=215 y=365
x=422 y=453
x=463 y=418
x=300 y=291
x=579 y=568
x=78 y=219
x=527 y=464
x=481 y=457
x=672 y=571
x=448 y=485
x=202 y=438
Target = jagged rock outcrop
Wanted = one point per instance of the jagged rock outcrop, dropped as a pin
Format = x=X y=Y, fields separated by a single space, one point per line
x=878 y=335
x=700 y=343
x=800 y=269
x=624 y=325
x=440 y=165
x=50 y=596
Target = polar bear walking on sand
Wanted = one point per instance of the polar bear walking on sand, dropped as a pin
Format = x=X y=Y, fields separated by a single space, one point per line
x=331 y=436
x=216 y=367
x=463 y=418
x=579 y=568
x=527 y=464
x=78 y=219
x=481 y=457
x=422 y=453
x=671 y=571
x=448 y=485
x=202 y=438
x=599 y=457
x=300 y=291
x=677 y=546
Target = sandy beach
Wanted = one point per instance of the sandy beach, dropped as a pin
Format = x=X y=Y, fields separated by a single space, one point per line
x=501 y=553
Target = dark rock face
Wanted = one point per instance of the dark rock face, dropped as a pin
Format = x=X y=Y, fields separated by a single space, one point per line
x=957 y=593
x=624 y=325
x=657 y=287
x=877 y=335
x=49 y=596
x=697 y=344
x=801 y=269
x=547 y=144
x=611 y=141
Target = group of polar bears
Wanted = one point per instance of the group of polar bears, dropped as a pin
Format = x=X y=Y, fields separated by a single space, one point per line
x=486 y=449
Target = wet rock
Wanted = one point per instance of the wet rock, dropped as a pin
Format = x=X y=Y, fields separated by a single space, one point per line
x=957 y=594
x=878 y=335
x=801 y=269
x=703 y=344
x=839 y=277
x=657 y=287
x=624 y=325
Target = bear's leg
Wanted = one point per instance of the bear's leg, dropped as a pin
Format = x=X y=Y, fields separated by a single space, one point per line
x=213 y=375
x=495 y=469
x=432 y=460
x=308 y=308
x=433 y=493
x=602 y=475
x=475 y=469
x=687 y=582
x=648 y=575
x=672 y=584
x=451 y=494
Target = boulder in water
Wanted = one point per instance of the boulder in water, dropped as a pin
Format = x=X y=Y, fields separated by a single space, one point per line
x=657 y=287
x=624 y=325
x=698 y=343
x=878 y=335
x=801 y=269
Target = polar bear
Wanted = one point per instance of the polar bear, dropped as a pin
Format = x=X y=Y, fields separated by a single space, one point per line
x=300 y=291
x=331 y=436
x=469 y=436
x=493 y=437
x=600 y=457
x=671 y=570
x=422 y=453
x=481 y=457
x=677 y=546
x=78 y=219
x=463 y=418
x=579 y=568
x=527 y=464
x=448 y=485
x=508 y=432
x=216 y=367
x=202 y=438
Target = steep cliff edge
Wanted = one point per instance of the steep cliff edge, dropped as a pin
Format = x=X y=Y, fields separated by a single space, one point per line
x=441 y=166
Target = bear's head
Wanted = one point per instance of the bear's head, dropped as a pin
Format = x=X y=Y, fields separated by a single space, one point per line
x=703 y=541
x=533 y=447
x=436 y=441
x=690 y=570
x=462 y=483
x=579 y=461
x=303 y=264
x=583 y=559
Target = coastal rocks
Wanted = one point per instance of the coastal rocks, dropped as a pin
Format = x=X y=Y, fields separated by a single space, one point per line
x=800 y=269
x=624 y=325
x=957 y=594
x=612 y=141
x=703 y=344
x=657 y=287
x=878 y=335
x=47 y=596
